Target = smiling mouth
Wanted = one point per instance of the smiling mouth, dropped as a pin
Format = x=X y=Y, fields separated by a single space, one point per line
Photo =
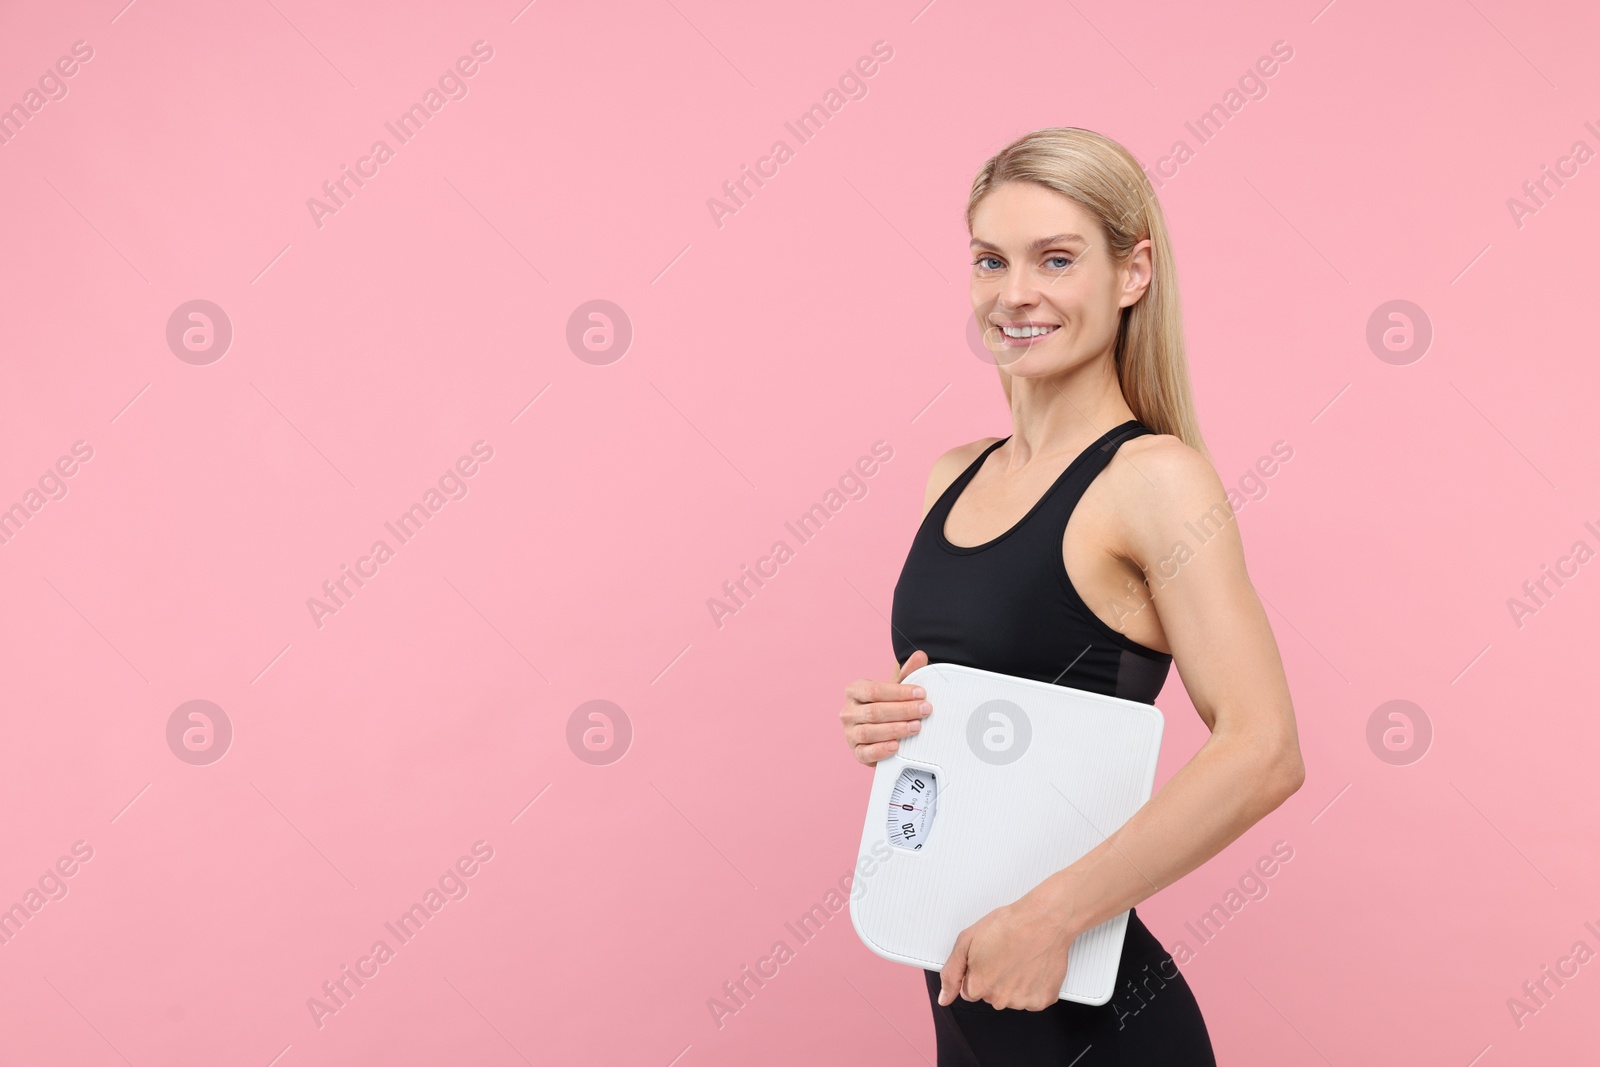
x=1021 y=336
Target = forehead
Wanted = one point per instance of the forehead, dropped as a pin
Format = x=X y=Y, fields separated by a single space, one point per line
x=1016 y=216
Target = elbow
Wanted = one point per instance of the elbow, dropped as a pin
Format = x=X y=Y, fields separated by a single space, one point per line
x=1285 y=771
x=1269 y=763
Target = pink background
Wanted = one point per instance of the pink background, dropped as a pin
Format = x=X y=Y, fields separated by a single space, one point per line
x=767 y=355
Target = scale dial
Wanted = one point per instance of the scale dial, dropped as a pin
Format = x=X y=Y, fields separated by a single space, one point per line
x=911 y=803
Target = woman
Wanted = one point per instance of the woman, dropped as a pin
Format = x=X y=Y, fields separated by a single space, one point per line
x=1038 y=556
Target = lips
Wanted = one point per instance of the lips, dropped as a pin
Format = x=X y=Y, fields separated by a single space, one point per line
x=1024 y=330
x=1022 y=334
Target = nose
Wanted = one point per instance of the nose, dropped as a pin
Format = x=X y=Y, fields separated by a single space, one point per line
x=1017 y=291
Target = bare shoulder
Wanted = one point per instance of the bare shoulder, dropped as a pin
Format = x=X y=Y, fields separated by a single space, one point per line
x=1160 y=483
x=948 y=467
x=1167 y=462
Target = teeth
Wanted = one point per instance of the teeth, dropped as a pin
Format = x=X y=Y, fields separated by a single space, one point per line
x=1025 y=331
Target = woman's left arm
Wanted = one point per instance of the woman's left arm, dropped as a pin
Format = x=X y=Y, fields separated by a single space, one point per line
x=1169 y=496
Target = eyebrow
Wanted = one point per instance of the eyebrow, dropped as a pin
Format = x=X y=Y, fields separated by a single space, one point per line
x=1041 y=243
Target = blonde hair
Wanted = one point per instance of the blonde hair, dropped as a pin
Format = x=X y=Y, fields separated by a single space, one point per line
x=1104 y=178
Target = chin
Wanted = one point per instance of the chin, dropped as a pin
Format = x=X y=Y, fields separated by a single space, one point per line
x=1033 y=364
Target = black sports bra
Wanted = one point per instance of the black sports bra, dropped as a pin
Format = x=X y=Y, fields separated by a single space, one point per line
x=1007 y=605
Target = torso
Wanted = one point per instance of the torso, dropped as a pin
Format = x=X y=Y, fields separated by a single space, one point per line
x=1002 y=573
x=1000 y=576
x=1092 y=545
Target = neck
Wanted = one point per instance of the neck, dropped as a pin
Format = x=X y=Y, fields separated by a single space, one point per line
x=1062 y=413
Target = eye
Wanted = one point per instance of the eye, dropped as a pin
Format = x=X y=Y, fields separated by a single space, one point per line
x=979 y=262
x=1066 y=261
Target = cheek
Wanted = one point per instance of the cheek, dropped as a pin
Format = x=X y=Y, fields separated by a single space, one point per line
x=1104 y=318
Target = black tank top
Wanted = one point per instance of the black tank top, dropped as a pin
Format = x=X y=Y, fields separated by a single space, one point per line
x=1007 y=605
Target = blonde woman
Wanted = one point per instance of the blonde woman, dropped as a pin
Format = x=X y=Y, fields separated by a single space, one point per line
x=1070 y=552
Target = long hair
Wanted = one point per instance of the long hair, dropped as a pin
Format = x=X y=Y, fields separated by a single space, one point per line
x=1104 y=178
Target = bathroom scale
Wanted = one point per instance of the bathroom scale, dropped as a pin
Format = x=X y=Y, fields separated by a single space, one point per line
x=1009 y=781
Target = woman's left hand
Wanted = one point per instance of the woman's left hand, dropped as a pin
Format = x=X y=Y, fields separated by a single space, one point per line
x=1013 y=957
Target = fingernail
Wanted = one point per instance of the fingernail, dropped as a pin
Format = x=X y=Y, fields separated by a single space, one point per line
x=915 y=725
x=917 y=692
x=926 y=709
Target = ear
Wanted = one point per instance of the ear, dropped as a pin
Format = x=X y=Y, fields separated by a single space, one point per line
x=1137 y=271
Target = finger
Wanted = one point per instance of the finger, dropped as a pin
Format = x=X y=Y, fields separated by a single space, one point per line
x=911 y=664
x=870 y=754
x=868 y=690
x=954 y=974
x=886 y=711
x=872 y=732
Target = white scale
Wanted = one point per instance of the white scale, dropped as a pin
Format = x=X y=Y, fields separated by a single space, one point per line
x=1009 y=781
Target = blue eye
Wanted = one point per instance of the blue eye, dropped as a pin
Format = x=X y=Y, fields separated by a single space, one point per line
x=1064 y=265
x=981 y=259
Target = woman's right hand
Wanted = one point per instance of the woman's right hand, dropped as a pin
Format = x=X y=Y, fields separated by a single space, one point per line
x=877 y=714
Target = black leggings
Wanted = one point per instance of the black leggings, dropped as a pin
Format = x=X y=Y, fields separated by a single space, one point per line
x=1152 y=1019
